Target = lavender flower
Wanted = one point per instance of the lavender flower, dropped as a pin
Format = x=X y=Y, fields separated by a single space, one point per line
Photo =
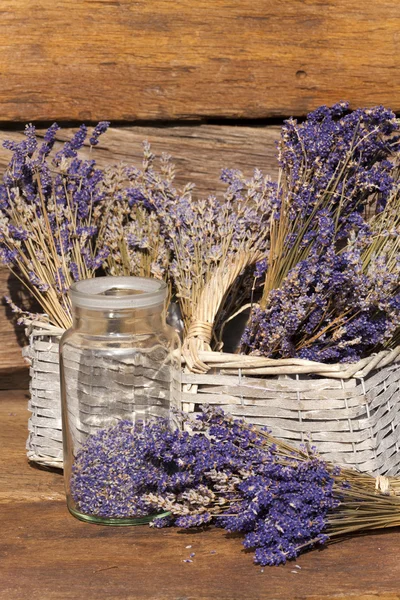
x=283 y=500
x=49 y=228
x=322 y=298
x=71 y=147
x=98 y=131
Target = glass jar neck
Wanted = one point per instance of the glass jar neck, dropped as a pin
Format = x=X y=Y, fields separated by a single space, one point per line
x=118 y=322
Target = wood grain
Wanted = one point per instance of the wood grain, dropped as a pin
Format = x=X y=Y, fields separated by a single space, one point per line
x=13 y=370
x=21 y=481
x=130 y=60
x=199 y=152
x=45 y=554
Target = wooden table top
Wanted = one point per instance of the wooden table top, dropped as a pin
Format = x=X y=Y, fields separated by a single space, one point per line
x=47 y=554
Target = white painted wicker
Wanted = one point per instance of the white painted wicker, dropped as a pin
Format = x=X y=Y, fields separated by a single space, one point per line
x=44 y=443
x=87 y=401
x=350 y=412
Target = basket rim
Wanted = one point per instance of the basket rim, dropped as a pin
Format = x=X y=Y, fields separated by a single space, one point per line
x=259 y=365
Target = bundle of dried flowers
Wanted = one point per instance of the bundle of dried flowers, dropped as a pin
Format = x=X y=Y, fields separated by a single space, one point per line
x=331 y=290
x=212 y=244
x=132 y=229
x=48 y=231
x=204 y=246
x=227 y=472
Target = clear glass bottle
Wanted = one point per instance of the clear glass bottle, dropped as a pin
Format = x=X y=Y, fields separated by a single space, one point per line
x=119 y=365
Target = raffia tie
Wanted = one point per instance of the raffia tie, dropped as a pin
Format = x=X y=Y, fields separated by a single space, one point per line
x=382 y=485
x=201 y=330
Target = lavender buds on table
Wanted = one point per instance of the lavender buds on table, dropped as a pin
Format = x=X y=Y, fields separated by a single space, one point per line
x=225 y=472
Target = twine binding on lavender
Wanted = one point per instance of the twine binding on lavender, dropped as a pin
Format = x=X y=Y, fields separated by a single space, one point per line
x=382 y=485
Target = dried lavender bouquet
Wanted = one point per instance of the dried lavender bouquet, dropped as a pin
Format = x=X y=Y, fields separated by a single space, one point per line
x=202 y=246
x=48 y=224
x=132 y=231
x=214 y=242
x=331 y=277
x=227 y=472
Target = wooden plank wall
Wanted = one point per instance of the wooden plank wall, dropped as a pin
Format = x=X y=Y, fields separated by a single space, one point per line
x=163 y=59
x=208 y=81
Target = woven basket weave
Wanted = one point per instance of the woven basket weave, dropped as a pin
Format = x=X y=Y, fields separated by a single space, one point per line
x=44 y=443
x=350 y=412
x=93 y=385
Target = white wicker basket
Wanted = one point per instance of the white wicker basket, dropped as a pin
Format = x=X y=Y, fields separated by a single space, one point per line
x=350 y=412
x=44 y=443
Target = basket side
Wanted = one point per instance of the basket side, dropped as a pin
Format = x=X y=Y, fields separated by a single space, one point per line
x=353 y=422
x=44 y=443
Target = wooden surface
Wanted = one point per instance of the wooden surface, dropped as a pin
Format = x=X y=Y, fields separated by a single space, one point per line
x=199 y=152
x=135 y=59
x=13 y=369
x=45 y=554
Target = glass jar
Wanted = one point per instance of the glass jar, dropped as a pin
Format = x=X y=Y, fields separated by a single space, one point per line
x=120 y=366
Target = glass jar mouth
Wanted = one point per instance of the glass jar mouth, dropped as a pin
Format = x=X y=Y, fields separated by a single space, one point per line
x=117 y=293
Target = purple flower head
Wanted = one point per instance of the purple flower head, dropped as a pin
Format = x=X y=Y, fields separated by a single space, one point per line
x=48 y=142
x=7 y=257
x=100 y=258
x=74 y=271
x=70 y=148
x=98 y=131
x=136 y=196
x=18 y=233
x=31 y=141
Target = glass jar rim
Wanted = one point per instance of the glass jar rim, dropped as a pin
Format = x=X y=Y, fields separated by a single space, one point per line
x=92 y=293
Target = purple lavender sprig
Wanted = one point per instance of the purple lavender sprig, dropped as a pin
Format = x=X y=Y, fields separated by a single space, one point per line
x=98 y=131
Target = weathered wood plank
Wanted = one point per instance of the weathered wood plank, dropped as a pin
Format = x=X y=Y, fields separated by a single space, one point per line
x=199 y=151
x=46 y=554
x=128 y=60
x=13 y=369
x=19 y=481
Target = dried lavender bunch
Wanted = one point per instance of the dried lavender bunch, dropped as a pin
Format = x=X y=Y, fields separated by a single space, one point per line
x=323 y=297
x=284 y=500
x=333 y=166
x=200 y=235
x=335 y=306
x=168 y=233
x=214 y=241
x=47 y=227
x=132 y=229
